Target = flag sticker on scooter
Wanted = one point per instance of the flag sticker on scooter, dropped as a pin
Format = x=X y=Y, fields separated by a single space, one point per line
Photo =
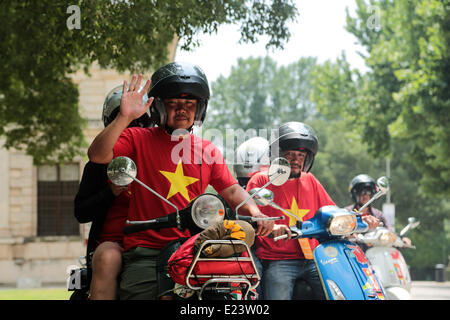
x=358 y=254
x=372 y=284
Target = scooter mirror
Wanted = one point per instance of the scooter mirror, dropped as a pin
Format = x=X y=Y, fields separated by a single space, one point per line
x=383 y=184
x=121 y=171
x=412 y=224
x=279 y=171
x=262 y=198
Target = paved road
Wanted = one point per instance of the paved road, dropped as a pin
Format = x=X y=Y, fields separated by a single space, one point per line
x=430 y=290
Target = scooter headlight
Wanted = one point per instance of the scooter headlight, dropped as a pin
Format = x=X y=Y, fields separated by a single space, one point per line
x=207 y=209
x=387 y=238
x=342 y=224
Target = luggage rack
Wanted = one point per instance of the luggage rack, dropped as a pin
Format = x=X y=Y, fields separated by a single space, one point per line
x=251 y=280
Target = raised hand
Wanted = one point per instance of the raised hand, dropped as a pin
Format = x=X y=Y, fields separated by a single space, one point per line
x=131 y=104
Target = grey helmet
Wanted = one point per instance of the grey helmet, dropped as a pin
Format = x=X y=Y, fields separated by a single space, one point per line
x=251 y=156
x=295 y=136
x=360 y=182
x=178 y=80
x=111 y=108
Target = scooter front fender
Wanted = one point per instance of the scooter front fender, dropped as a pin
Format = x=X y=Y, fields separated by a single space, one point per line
x=397 y=293
x=346 y=273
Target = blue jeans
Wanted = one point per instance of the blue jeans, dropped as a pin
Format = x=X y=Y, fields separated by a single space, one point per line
x=279 y=278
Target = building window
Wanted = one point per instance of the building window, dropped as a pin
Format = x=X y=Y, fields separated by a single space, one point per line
x=57 y=187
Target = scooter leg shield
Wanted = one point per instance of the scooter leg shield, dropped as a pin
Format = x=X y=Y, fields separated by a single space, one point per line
x=345 y=272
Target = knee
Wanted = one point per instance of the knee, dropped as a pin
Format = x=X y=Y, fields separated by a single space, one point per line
x=107 y=257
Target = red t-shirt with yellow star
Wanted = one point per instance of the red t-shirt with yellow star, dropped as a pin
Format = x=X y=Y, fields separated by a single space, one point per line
x=179 y=169
x=302 y=197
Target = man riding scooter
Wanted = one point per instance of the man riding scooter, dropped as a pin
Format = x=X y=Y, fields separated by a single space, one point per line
x=362 y=187
x=285 y=262
x=179 y=95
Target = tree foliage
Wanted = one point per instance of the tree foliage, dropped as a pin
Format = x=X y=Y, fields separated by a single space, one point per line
x=259 y=94
x=297 y=92
x=405 y=96
x=39 y=102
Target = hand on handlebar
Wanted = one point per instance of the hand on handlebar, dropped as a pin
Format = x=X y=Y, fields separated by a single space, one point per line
x=407 y=241
x=263 y=228
x=281 y=229
x=371 y=221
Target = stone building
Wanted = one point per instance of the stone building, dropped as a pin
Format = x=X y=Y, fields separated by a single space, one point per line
x=39 y=235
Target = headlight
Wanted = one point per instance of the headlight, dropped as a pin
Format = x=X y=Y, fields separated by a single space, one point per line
x=207 y=209
x=387 y=238
x=342 y=224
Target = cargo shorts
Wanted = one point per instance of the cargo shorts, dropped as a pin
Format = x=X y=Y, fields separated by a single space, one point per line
x=138 y=280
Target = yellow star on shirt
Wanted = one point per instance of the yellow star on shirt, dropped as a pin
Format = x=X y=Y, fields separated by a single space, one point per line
x=296 y=211
x=178 y=181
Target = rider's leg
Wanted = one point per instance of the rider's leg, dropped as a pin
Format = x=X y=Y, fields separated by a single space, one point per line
x=138 y=278
x=279 y=278
x=311 y=276
x=259 y=288
x=106 y=266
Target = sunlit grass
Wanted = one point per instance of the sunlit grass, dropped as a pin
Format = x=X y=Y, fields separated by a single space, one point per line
x=35 y=294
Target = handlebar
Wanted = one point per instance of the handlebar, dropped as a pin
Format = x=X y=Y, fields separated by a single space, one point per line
x=168 y=221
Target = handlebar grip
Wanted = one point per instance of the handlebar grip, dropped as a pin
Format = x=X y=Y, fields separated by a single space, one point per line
x=284 y=236
x=132 y=228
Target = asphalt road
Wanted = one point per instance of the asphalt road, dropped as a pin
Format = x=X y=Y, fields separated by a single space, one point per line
x=430 y=290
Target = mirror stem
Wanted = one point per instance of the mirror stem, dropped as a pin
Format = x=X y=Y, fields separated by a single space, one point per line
x=375 y=197
x=158 y=195
x=254 y=194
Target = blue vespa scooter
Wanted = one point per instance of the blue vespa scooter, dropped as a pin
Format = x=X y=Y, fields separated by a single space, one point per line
x=345 y=271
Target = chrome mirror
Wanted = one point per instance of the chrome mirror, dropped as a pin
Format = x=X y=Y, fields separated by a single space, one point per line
x=383 y=184
x=279 y=171
x=412 y=224
x=121 y=171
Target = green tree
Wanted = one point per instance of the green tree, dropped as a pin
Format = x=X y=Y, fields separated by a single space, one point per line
x=259 y=94
x=39 y=102
x=326 y=96
x=405 y=95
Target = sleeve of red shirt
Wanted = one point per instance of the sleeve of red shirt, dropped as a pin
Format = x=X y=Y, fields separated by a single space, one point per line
x=257 y=181
x=124 y=145
x=323 y=198
x=220 y=177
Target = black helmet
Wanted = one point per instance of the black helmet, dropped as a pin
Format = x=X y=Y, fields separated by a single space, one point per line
x=178 y=80
x=360 y=182
x=295 y=136
x=111 y=108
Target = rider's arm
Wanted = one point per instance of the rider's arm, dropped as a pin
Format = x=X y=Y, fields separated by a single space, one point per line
x=94 y=196
x=131 y=107
x=101 y=149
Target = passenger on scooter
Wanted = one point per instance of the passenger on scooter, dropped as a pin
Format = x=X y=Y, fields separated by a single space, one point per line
x=362 y=188
x=106 y=206
x=171 y=160
x=285 y=262
x=252 y=156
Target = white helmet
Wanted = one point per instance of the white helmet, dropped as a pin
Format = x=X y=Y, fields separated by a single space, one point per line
x=251 y=156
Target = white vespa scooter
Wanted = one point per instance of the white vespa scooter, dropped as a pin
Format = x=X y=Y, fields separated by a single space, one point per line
x=388 y=262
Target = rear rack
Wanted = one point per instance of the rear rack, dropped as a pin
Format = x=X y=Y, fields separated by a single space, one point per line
x=223 y=278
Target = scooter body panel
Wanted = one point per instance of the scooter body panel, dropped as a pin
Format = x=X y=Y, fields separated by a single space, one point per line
x=390 y=267
x=344 y=268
